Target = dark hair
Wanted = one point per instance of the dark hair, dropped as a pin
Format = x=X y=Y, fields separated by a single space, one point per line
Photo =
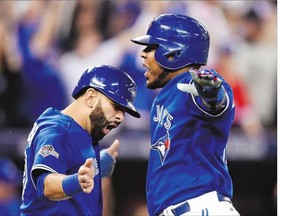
x=81 y=92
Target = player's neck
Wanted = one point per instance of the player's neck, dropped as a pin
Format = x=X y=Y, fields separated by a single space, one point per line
x=77 y=113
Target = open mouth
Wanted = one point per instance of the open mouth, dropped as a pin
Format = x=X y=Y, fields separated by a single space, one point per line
x=145 y=66
x=110 y=127
x=148 y=69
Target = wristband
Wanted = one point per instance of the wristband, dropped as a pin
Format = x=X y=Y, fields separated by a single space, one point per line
x=70 y=185
x=107 y=164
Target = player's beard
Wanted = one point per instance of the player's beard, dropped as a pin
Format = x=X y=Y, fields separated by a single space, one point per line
x=98 y=123
x=160 y=81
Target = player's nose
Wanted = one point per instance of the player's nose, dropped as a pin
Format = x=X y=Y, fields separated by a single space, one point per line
x=143 y=54
x=120 y=116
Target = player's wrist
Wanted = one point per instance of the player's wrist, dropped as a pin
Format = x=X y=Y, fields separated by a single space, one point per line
x=107 y=163
x=214 y=105
x=208 y=93
x=216 y=96
x=70 y=185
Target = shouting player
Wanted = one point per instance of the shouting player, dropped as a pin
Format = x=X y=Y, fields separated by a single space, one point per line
x=190 y=121
x=63 y=165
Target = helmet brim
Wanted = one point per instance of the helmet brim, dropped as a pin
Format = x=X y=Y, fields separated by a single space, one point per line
x=130 y=108
x=132 y=111
x=142 y=40
x=127 y=105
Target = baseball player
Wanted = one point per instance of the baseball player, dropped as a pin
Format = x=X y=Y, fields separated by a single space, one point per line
x=63 y=165
x=190 y=121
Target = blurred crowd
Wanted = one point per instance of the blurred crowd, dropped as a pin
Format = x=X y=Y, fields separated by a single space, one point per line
x=46 y=45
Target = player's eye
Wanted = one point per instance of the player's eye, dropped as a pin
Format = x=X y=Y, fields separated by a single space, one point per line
x=149 y=48
x=118 y=107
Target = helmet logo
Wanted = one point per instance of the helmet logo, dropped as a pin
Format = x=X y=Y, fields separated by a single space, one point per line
x=204 y=31
x=133 y=93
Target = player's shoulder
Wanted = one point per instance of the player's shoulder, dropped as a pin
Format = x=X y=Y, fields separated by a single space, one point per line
x=52 y=123
x=53 y=118
x=184 y=77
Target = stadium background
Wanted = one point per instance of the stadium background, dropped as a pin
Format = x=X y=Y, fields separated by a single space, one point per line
x=46 y=45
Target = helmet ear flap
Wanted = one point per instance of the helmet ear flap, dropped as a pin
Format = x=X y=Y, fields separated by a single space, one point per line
x=169 y=58
x=172 y=54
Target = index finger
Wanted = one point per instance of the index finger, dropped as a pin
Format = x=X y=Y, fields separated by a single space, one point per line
x=88 y=163
x=114 y=147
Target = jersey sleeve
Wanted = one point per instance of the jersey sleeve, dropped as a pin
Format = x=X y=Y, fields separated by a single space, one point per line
x=51 y=154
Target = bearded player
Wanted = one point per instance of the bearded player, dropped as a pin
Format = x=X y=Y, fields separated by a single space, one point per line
x=63 y=165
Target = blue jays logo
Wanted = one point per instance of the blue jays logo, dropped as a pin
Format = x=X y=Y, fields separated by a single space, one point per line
x=133 y=92
x=162 y=146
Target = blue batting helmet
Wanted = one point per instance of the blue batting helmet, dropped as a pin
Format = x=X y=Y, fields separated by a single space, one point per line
x=181 y=37
x=112 y=82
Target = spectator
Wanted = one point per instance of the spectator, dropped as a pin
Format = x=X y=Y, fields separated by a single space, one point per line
x=247 y=134
x=11 y=82
x=10 y=180
x=43 y=86
x=83 y=40
x=257 y=60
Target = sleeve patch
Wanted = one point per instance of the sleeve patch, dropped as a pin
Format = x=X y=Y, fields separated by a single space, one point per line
x=47 y=150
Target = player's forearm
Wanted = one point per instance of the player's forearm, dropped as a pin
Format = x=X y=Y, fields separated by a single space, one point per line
x=53 y=189
x=56 y=187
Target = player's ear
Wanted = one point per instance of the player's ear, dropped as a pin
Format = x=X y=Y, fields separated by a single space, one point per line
x=91 y=96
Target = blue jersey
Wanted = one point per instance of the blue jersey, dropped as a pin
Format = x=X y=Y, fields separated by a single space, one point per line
x=187 y=152
x=58 y=144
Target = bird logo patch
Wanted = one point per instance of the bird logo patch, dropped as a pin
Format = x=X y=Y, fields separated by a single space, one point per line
x=162 y=146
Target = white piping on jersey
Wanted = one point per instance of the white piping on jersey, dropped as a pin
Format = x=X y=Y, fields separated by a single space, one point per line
x=207 y=113
x=42 y=167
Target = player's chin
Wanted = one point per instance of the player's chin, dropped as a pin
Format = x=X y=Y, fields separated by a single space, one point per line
x=148 y=83
x=151 y=85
